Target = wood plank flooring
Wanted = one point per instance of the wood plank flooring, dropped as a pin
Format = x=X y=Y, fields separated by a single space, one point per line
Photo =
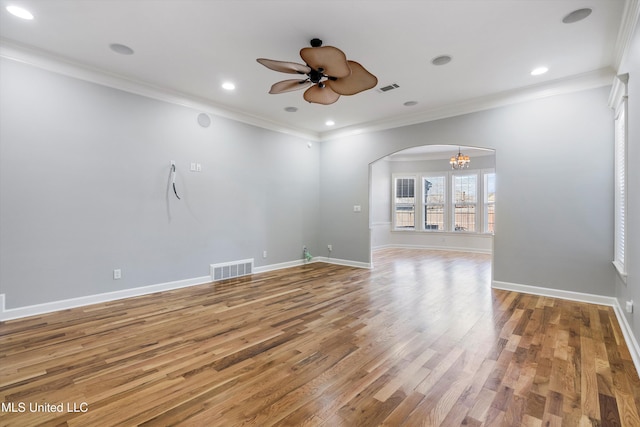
x=420 y=340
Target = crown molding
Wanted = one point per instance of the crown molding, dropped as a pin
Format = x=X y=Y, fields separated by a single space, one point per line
x=629 y=23
x=41 y=59
x=593 y=79
x=54 y=63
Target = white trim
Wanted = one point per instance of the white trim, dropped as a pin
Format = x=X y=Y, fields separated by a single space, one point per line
x=328 y=260
x=436 y=248
x=630 y=16
x=554 y=293
x=584 y=81
x=618 y=102
x=56 y=64
x=344 y=262
x=613 y=302
x=279 y=266
x=620 y=270
x=627 y=331
x=618 y=91
x=48 y=307
x=47 y=61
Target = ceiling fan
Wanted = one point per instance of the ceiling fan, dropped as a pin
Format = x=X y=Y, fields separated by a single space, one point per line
x=329 y=74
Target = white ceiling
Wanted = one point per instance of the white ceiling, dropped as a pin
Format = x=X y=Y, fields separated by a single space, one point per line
x=187 y=48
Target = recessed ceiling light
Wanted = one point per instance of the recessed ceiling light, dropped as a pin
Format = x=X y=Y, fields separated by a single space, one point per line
x=290 y=109
x=576 y=15
x=228 y=86
x=329 y=123
x=539 y=70
x=441 y=60
x=121 y=49
x=20 y=12
x=410 y=103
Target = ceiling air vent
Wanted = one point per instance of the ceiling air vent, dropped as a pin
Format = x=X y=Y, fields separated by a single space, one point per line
x=387 y=88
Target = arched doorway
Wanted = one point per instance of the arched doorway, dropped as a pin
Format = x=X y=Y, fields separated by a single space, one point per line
x=418 y=200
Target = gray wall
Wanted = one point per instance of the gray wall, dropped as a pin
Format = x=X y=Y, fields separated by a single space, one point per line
x=84 y=189
x=84 y=173
x=631 y=290
x=382 y=233
x=554 y=166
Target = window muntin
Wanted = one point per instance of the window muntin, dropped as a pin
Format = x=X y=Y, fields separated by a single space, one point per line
x=464 y=200
x=449 y=201
x=404 y=203
x=434 y=191
x=489 y=202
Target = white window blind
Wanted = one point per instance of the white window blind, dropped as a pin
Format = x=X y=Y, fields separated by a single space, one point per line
x=620 y=190
x=618 y=101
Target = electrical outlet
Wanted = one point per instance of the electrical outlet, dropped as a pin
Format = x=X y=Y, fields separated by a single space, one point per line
x=330 y=247
x=264 y=254
x=117 y=274
x=629 y=306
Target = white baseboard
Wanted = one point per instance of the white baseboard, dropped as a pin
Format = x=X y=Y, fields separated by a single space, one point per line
x=554 y=293
x=436 y=248
x=289 y=264
x=613 y=302
x=279 y=266
x=345 y=262
x=48 y=307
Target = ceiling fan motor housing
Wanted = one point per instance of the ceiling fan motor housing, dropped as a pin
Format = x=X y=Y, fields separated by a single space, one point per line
x=315 y=75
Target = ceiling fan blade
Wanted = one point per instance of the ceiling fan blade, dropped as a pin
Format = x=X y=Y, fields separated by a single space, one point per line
x=359 y=80
x=321 y=95
x=289 y=85
x=331 y=60
x=284 y=67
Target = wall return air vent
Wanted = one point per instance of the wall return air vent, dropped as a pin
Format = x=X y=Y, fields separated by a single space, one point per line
x=229 y=270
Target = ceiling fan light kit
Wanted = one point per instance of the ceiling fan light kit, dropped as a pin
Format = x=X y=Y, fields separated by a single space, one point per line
x=329 y=74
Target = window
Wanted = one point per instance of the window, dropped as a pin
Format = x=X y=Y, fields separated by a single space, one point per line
x=489 y=202
x=448 y=201
x=405 y=203
x=465 y=190
x=618 y=101
x=434 y=202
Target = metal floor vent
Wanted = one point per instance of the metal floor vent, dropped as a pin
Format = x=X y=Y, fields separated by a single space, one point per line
x=388 y=88
x=229 y=270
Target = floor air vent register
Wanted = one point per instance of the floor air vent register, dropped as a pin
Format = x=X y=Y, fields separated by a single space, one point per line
x=229 y=270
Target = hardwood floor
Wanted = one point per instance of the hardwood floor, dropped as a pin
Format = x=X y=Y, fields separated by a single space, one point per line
x=419 y=340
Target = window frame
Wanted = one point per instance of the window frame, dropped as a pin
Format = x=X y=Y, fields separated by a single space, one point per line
x=486 y=203
x=619 y=103
x=395 y=204
x=420 y=204
x=425 y=204
x=452 y=202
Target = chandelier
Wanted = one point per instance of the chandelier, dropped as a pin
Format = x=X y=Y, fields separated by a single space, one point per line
x=460 y=161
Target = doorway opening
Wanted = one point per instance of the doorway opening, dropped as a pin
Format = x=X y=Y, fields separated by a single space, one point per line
x=417 y=200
